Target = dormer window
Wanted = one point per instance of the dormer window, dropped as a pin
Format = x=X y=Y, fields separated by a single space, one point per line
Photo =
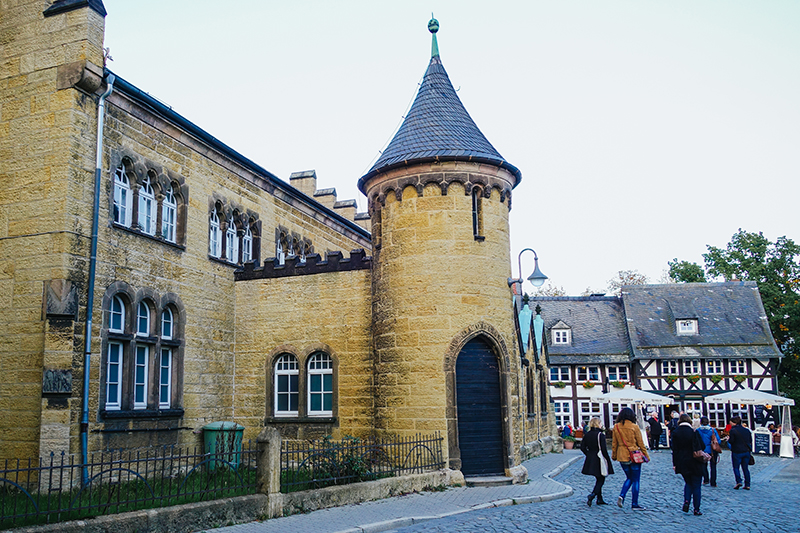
x=687 y=326
x=561 y=336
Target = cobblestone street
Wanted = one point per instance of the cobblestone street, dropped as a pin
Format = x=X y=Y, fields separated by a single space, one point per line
x=772 y=504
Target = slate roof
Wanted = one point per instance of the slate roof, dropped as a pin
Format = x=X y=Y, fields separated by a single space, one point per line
x=599 y=333
x=730 y=315
x=437 y=128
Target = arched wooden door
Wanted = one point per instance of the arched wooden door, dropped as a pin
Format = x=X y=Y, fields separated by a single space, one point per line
x=479 y=410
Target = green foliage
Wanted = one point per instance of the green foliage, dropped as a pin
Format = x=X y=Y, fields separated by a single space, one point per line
x=775 y=267
x=686 y=272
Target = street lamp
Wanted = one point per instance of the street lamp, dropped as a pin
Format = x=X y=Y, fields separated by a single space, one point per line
x=537 y=278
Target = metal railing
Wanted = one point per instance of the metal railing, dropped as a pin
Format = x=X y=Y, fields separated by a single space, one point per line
x=322 y=463
x=50 y=490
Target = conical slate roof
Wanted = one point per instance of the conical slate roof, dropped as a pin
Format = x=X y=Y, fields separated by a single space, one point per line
x=437 y=128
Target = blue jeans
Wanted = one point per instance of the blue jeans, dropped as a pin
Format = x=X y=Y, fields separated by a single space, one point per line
x=633 y=471
x=691 y=489
x=742 y=459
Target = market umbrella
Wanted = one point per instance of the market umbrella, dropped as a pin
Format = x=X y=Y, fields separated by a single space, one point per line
x=747 y=396
x=638 y=398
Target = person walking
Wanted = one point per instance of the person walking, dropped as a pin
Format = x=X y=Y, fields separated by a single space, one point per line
x=597 y=462
x=655 y=431
x=740 y=441
x=708 y=434
x=628 y=448
x=685 y=441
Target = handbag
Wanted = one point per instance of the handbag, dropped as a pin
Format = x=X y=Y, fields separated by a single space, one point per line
x=603 y=463
x=636 y=455
x=715 y=446
x=701 y=456
x=752 y=460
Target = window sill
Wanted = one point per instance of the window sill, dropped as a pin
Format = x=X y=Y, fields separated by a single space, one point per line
x=300 y=420
x=141 y=414
x=224 y=262
x=155 y=238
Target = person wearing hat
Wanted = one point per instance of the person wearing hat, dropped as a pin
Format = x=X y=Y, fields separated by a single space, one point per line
x=655 y=431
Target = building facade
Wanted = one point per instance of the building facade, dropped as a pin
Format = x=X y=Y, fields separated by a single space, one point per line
x=218 y=291
x=685 y=341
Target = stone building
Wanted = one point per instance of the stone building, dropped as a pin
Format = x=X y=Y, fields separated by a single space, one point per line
x=216 y=291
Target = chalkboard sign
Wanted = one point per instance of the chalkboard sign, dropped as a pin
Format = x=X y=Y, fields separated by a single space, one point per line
x=762 y=441
x=662 y=440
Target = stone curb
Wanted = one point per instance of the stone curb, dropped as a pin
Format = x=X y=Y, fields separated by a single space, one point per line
x=378 y=527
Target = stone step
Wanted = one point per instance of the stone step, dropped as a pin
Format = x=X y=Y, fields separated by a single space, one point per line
x=488 y=481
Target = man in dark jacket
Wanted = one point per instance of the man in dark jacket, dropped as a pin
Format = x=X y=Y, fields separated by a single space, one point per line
x=684 y=442
x=655 y=431
x=740 y=442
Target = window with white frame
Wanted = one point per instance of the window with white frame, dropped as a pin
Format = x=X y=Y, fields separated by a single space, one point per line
x=561 y=336
x=231 y=242
x=123 y=199
x=669 y=368
x=737 y=366
x=716 y=414
x=563 y=413
x=615 y=408
x=287 y=378
x=320 y=385
x=588 y=373
x=247 y=245
x=686 y=326
x=693 y=406
x=559 y=373
x=147 y=208
x=169 y=209
x=741 y=411
x=714 y=366
x=691 y=367
x=589 y=410
x=145 y=380
x=214 y=236
x=617 y=373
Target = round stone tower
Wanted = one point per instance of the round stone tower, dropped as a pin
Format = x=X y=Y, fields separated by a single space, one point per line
x=445 y=354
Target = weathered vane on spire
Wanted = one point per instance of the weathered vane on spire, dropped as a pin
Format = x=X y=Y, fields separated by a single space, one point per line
x=433 y=27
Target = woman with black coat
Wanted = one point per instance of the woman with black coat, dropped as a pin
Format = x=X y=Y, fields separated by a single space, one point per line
x=597 y=463
x=684 y=443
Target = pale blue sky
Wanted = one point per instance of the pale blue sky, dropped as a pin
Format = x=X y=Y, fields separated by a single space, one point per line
x=643 y=130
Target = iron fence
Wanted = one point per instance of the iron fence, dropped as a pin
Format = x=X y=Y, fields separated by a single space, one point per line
x=53 y=489
x=324 y=462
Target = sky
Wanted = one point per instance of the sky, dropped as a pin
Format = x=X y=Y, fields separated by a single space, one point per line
x=644 y=130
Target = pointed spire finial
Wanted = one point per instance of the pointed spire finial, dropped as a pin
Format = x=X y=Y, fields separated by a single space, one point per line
x=433 y=27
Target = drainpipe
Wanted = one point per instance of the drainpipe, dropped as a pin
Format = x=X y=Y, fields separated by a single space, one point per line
x=87 y=353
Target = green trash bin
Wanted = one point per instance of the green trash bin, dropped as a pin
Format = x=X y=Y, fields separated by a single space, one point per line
x=223 y=440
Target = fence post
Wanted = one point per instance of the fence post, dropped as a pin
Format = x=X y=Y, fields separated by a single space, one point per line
x=268 y=444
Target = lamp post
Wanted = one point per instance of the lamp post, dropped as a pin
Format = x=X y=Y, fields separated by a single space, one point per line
x=537 y=278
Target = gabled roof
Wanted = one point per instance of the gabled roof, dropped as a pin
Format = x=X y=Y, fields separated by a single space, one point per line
x=437 y=128
x=597 y=324
x=730 y=316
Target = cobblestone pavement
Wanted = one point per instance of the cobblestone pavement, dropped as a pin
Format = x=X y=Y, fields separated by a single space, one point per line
x=772 y=504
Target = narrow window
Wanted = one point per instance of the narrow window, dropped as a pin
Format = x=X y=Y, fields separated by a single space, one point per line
x=287 y=395
x=122 y=198
x=320 y=385
x=169 y=210
x=166 y=323
x=140 y=378
x=116 y=321
x=165 y=379
x=214 y=236
x=563 y=412
x=231 y=243
x=113 y=369
x=143 y=320
x=477 y=214
x=247 y=245
x=147 y=204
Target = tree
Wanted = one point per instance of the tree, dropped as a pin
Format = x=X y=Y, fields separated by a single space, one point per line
x=775 y=267
x=686 y=272
x=548 y=289
x=626 y=277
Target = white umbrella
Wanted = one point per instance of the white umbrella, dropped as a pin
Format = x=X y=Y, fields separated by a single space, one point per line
x=756 y=397
x=749 y=397
x=636 y=396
